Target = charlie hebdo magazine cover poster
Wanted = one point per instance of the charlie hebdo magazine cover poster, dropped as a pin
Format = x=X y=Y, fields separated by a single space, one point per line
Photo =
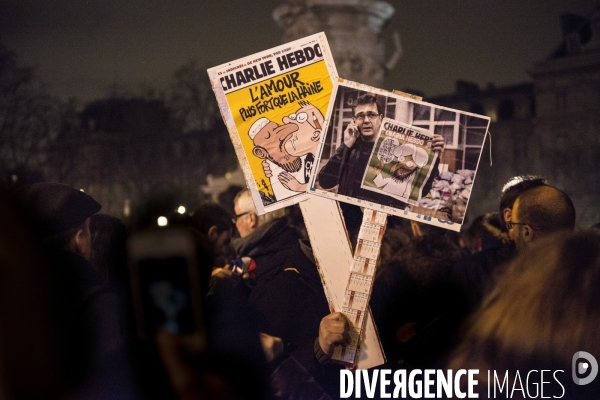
x=351 y=170
x=401 y=162
x=273 y=104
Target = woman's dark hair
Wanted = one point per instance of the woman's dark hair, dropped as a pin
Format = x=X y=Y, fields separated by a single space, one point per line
x=543 y=309
x=211 y=214
x=109 y=248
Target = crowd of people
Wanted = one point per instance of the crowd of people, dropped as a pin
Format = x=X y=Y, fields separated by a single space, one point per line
x=515 y=291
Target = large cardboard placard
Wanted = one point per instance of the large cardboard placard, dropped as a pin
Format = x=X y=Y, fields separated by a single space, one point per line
x=342 y=172
x=273 y=104
x=333 y=254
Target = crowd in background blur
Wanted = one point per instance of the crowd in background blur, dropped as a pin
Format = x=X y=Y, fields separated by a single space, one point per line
x=517 y=289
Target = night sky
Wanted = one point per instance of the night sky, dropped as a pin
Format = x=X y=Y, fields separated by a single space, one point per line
x=82 y=48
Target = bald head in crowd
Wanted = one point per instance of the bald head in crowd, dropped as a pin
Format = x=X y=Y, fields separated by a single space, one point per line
x=540 y=211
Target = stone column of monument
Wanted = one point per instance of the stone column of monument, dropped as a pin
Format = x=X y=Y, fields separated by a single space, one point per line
x=354 y=33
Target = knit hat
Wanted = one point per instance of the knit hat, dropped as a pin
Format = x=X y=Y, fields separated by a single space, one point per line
x=54 y=207
x=257 y=127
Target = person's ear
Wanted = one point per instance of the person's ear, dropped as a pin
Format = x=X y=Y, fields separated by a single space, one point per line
x=260 y=152
x=316 y=135
x=507 y=214
x=253 y=220
x=212 y=233
x=79 y=243
x=528 y=233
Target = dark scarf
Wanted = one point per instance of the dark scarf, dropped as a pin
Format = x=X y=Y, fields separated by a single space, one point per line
x=261 y=240
x=73 y=267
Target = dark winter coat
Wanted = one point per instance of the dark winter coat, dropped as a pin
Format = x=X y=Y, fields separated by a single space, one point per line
x=287 y=294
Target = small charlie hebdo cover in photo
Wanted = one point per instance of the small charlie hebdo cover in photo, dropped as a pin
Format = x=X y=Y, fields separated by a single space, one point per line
x=274 y=105
x=401 y=162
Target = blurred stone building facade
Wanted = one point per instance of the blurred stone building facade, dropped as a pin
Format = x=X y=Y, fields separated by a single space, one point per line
x=548 y=127
x=129 y=155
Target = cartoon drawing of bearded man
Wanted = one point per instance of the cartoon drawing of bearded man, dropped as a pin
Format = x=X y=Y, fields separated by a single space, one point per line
x=288 y=150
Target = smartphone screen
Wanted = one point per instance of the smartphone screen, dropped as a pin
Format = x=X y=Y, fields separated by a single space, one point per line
x=166 y=294
x=165 y=283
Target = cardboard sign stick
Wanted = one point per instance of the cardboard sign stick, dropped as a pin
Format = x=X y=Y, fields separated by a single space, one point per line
x=333 y=254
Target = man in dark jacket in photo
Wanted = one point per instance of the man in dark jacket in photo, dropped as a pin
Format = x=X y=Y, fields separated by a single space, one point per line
x=346 y=168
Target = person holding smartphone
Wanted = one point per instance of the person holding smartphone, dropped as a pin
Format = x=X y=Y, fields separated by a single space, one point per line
x=347 y=166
